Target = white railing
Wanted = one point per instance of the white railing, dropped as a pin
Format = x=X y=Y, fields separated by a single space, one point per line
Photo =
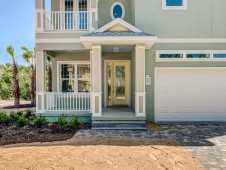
x=65 y=102
x=74 y=20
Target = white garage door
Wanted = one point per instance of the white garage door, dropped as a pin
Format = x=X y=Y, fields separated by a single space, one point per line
x=190 y=94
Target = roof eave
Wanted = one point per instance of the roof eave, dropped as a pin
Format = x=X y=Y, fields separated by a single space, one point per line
x=149 y=41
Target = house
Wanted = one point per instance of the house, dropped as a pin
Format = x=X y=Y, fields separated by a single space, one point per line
x=132 y=60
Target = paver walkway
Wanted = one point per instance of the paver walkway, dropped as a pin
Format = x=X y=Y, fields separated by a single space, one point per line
x=207 y=142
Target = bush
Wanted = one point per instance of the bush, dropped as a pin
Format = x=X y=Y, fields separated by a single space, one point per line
x=75 y=123
x=19 y=114
x=22 y=121
x=62 y=120
x=6 y=119
x=40 y=121
x=13 y=115
x=28 y=113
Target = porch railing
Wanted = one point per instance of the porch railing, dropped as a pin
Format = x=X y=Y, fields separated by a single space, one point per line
x=65 y=102
x=61 y=20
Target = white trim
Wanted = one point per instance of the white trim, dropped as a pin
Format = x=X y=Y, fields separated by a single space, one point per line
x=112 y=8
x=190 y=40
x=173 y=68
x=149 y=41
x=105 y=81
x=185 y=59
x=58 y=40
x=73 y=63
x=118 y=21
x=165 y=7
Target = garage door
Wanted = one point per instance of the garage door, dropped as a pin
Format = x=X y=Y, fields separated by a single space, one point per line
x=190 y=94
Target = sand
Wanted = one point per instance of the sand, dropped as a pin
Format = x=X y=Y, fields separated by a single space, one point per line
x=7 y=103
x=99 y=153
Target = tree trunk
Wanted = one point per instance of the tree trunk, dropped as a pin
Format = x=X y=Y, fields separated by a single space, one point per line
x=16 y=88
x=33 y=86
x=16 y=102
x=49 y=78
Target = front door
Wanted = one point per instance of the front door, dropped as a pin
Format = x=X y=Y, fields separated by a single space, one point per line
x=118 y=83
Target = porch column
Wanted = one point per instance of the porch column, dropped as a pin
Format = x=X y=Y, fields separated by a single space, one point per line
x=140 y=94
x=40 y=81
x=96 y=90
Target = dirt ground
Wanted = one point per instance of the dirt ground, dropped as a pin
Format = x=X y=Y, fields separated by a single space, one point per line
x=99 y=153
x=8 y=103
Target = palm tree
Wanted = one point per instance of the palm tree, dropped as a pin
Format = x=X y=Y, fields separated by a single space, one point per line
x=29 y=57
x=49 y=72
x=16 y=86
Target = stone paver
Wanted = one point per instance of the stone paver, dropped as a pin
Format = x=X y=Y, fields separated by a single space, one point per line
x=207 y=142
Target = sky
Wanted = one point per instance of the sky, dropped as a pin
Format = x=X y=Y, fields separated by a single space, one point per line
x=17 y=27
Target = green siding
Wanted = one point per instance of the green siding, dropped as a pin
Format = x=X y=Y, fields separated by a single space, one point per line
x=202 y=19
x=105 y=8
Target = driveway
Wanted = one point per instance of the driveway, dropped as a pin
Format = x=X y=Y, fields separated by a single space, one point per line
x=206 y=141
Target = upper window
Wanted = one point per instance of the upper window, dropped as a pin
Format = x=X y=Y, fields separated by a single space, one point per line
x=174 y=4
x=117 y=10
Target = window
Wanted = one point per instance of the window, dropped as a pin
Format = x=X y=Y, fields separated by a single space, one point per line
x=75 y=77
x=171 y=56
x=219 y=56
x=174 y=4
x=117 y=10
x=198 y=55
x=189 y=55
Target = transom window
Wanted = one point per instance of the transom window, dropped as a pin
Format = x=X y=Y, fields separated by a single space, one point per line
x=74 y=77
x=189 y=55
x=117 y=10
x=174 y=4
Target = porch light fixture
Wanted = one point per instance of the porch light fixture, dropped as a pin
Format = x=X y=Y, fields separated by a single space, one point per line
x=115 y=49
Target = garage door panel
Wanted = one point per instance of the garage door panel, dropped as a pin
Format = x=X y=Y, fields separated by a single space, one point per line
x=191 y=94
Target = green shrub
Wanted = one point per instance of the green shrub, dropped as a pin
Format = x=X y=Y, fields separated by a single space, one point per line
x=40 y=121
x=50 y=124
x=28 y=113
x=62 y=120
x=75 y=123
x=13 y=115
x=45 y=130
x=22 y=121
x=6 y=119
x=19 y=114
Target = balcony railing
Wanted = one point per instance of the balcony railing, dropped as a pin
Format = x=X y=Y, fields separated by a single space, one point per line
x=66 y=102
x=74 y=20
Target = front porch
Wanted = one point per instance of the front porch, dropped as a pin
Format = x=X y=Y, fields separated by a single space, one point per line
x=109 y=73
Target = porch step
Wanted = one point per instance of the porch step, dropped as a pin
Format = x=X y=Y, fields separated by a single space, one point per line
x=119 y=125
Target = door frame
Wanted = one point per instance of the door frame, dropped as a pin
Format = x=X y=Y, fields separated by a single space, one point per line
x=105 y=80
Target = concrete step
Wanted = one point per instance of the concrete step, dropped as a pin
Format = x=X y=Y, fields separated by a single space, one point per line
x=119 y=125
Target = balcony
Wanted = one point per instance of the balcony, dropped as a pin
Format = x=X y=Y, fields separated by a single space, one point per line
x=65 y=21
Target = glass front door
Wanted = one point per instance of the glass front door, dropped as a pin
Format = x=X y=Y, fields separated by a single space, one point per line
x=118 y=83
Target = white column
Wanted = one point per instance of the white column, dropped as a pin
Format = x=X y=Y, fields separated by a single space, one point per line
x=140 y=94
x=40 y=81
x=96 y=90
x=39 y=16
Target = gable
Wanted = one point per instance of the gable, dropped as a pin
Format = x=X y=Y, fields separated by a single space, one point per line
x=118 y=27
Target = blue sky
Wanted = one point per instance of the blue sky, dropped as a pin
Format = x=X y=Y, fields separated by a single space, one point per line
x=17 y=26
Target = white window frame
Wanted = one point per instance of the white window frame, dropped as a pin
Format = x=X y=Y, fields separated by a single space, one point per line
x=165 y=7
x=75 y=63
x=123 y=10
x=185 y=52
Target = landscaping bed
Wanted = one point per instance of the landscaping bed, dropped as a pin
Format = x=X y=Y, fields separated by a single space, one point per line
x=25 y=127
